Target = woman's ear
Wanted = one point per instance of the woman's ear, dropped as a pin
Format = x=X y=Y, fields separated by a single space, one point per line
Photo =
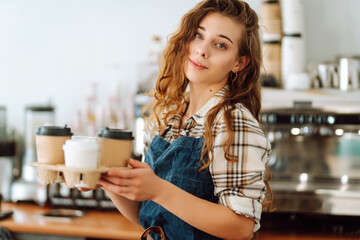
x=241 y=64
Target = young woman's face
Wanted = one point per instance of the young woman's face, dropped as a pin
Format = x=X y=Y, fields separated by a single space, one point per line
x=213 y=53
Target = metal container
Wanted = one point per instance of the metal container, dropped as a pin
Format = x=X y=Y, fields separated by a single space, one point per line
x=349 y=70
x=328 y=75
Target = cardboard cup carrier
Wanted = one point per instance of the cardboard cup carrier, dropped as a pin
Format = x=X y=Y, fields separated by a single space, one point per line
x=79 y=161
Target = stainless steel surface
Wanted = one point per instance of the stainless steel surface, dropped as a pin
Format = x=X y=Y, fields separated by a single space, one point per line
x=6 y=176
x=317 y=197
x=315 y=161
x=320 y=157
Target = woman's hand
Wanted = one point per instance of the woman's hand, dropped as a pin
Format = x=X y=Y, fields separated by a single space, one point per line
x=139 y=183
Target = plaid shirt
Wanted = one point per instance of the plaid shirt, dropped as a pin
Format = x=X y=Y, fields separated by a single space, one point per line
x=239 y=185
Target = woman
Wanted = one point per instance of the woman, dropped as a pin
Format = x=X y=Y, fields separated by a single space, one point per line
x=204 y=170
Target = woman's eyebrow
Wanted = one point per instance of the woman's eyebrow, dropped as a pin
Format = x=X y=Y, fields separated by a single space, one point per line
x=219 y=35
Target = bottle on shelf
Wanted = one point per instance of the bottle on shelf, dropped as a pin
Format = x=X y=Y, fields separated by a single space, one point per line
x=90 y=111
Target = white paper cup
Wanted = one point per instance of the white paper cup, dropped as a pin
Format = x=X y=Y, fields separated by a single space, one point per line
x=81 y=152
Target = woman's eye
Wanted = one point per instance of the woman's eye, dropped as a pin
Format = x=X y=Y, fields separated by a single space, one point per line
x=198 y=35
x=221 y=45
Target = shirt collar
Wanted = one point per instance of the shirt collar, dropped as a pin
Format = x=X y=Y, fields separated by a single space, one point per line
x=199 y=116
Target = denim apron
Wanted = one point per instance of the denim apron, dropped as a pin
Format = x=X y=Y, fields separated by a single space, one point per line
x=177 y=163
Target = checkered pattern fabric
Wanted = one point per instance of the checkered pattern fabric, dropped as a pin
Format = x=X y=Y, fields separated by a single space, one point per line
x=240 y=185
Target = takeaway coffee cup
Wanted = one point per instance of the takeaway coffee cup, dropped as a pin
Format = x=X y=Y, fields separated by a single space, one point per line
x=81 y=152
x=49 y=142
x=115 y=147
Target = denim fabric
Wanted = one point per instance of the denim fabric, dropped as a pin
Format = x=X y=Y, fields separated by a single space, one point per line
x=5 y=234
x=177 y=163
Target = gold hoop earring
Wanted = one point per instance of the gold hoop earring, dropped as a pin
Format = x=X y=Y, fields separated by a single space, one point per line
x=236 y=75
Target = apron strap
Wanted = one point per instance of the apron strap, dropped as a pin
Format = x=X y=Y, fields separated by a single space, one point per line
x=154 y=229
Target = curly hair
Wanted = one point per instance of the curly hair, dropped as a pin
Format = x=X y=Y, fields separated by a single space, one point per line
x=244 y=86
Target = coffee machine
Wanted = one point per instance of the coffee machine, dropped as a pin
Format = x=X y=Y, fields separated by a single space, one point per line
x=7 y=155
x=315 y=167
x=26 y=188
x=315 y=159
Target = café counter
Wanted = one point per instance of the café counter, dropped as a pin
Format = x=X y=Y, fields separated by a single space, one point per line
x=28 y=219
x=27 y=223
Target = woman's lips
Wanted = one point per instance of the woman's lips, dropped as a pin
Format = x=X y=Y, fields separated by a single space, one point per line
x=197 y=64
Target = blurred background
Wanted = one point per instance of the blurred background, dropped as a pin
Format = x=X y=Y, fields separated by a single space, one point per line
x=88 y=64
x=52 y=51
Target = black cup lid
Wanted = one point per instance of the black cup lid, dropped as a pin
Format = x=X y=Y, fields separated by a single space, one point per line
x=114 y=133
x=54 y=131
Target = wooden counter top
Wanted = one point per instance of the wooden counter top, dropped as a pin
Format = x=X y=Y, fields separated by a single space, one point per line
x=94 y=224
x=112 y=225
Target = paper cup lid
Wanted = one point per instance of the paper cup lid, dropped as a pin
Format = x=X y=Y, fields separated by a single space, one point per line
x=81 y=143
x=115 y=133
x=54 y=131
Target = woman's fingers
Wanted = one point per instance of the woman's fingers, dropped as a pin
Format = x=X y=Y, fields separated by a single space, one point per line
x=138 y=183
x=137 y=164
x=122 y=173
x=114 y=180
x=118 y=189
x=117 y=180
x=128 y=173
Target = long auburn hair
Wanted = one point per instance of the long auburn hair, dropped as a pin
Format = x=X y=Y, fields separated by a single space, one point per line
x=244 y=86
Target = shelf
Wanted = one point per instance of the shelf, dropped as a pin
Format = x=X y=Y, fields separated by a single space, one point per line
x=328 y=99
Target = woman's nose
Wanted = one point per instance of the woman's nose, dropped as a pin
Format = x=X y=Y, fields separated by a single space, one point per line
x=202 y=50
